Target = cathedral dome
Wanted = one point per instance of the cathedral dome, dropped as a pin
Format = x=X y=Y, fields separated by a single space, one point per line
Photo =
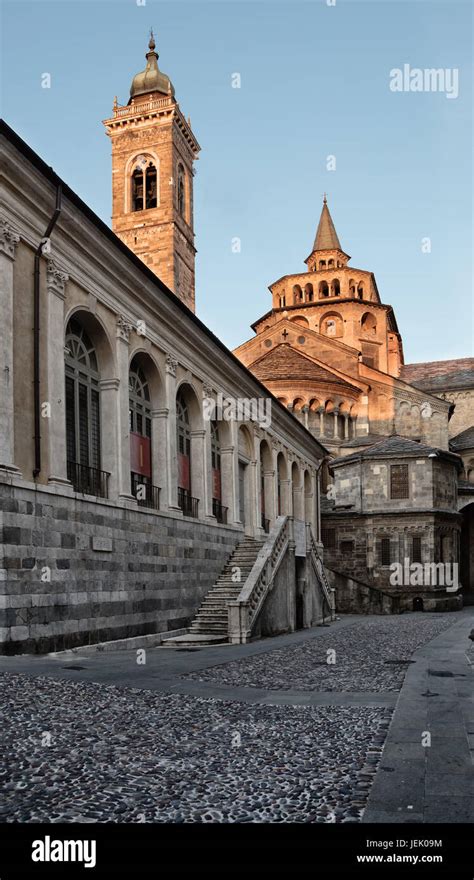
x=151 y=79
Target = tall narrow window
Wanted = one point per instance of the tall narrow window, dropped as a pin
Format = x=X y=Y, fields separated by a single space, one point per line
x=218 y=510
x=385 y=554
x=82 y=412
x=144 y=193
x=187 y=503
x=416 y=548
x=137 y=190
x=139 y=408
x=151 y=182
x=181 y=191
x=399 y=481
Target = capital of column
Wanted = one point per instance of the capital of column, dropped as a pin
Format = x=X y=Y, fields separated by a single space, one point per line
x=124 y=328
x=56 y=279
x=8 y=239
x=109 y=384
x=171 y=365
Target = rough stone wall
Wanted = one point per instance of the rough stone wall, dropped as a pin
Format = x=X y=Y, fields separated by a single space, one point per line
x=376 y=484
x=353 y=597
x=445 y=491
x=278 y=613
x=363 y=563
x=463 y=416
x=75 y=572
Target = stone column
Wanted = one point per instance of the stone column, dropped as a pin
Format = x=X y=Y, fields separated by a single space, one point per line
x=200 y=476
x=346 y=426
x=159 y=449
x=230 y=475
x=172 y=463
x=206 y=460
x=305 y=411
x=55 y=376
x=274 y=487
x=123 y=426
x=8 y=242
x=336 y=424
x=321 y=421
x=254 y=506
x=109 y=394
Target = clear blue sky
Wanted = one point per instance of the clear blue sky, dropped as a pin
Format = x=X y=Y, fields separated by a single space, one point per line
x=315 y=81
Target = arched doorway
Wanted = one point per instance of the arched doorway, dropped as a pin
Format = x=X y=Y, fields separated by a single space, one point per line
x=83 y=434
x=296 y=487
x=282 y=485
x=190 y=451
x=244 y=458
x=140 y=426
x=218 y=510
x=266 y=485
x=308 y=498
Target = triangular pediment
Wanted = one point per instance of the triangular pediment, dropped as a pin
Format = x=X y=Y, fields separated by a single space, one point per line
x=284 y=362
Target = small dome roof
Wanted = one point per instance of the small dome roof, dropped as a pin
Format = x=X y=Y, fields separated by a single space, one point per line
x=151 y=79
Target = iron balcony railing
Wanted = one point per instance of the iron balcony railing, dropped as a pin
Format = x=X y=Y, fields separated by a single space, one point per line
x=88 y=480
x=219 y=511
x=146 y=494
x=187 y=503
x=265 y=523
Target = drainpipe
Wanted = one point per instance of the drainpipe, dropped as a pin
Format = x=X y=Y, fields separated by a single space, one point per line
x=36 y=332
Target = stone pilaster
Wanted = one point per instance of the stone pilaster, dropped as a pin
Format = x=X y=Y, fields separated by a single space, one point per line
x=172 y=462
x=230 y=474
x=159 y=453
x=8 y=242
x=124 y=329
x=109 y=406
x=55 y=425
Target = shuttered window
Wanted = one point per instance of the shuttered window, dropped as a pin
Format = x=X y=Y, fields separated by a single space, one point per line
x=399 y=481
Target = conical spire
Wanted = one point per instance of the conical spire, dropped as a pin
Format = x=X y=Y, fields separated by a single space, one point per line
x=326 y=235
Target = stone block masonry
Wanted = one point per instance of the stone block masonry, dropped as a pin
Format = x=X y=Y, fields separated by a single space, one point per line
x=75 y=571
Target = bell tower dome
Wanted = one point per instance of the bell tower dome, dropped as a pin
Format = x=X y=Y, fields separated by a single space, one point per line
x=153 y=153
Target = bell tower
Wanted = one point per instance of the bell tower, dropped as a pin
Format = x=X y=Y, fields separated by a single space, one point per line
x=153 y=153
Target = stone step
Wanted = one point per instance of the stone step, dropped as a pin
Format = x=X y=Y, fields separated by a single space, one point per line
x=195 y=640
x=212 y=615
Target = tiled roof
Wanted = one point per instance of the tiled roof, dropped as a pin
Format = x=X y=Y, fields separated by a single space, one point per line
x=283 y=362
x=396 y=446
x=364 y=440
x=464 y=440
x=440 y=375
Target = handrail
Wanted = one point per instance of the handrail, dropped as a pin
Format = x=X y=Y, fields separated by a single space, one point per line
x=318 y=566
x=244 y=610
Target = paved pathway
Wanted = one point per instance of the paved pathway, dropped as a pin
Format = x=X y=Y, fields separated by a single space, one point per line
x=431 y=783
x=319 y=737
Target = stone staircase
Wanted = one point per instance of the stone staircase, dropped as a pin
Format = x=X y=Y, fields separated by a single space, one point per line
x=210 y=625
x=212 y=616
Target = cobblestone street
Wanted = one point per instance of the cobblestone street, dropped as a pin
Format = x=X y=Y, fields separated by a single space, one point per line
x=267 y=732
x=370 y=655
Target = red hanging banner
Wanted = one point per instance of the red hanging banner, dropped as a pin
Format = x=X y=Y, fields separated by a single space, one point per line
x=184 y=473
x=140 y=454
